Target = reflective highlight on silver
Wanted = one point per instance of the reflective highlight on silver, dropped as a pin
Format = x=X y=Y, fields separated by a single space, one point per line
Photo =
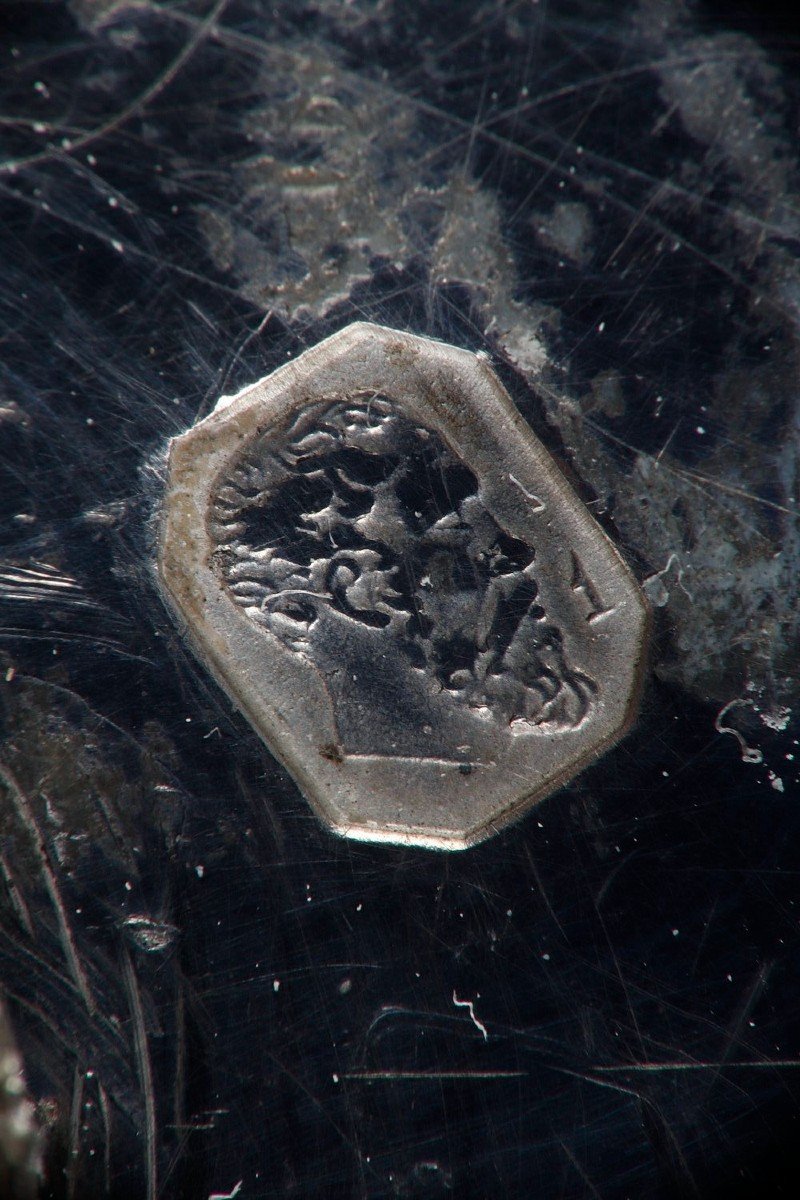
x=385 y=570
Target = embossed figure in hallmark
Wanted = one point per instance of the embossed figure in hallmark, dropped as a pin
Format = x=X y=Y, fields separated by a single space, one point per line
x=358 y=539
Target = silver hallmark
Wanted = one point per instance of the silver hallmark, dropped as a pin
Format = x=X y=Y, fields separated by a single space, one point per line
x=384 y=569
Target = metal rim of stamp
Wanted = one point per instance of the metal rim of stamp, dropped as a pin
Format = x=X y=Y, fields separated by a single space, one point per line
x=384 y=569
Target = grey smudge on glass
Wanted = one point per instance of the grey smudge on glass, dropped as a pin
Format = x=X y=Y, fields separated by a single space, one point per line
x=386 y=572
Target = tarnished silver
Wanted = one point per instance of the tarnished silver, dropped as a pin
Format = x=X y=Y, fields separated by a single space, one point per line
x=383 y=567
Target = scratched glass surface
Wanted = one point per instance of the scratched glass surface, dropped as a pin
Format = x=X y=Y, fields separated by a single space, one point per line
x=209 y=993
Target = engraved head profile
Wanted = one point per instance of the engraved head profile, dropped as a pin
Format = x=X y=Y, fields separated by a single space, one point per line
x=387 y=573
x=358 y=539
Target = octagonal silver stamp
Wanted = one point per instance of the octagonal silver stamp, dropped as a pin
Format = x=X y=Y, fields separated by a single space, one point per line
x=386 y=572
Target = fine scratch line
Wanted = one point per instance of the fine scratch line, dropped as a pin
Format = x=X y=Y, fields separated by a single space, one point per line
x=471 y=1006
x=76 y=1111
x=414 y=1076
x=741 y=1064
x=28 y=818
x=106 y=1117
x=142 y=1051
